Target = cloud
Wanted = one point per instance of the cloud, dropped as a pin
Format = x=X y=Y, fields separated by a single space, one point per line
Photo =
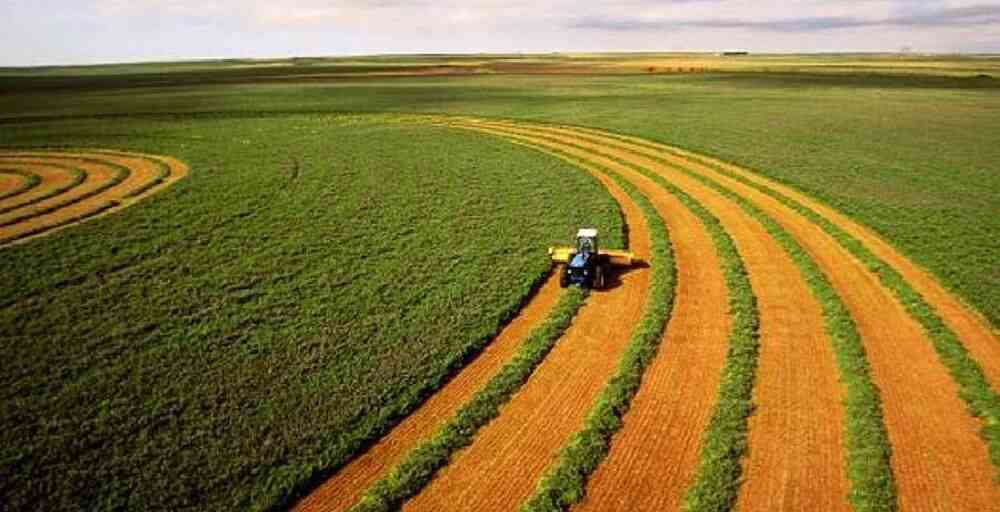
x=947 y=17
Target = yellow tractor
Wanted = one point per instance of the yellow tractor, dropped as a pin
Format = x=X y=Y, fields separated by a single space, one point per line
x=586 y=264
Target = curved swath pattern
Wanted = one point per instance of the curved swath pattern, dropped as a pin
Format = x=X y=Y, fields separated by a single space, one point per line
x=73 y=186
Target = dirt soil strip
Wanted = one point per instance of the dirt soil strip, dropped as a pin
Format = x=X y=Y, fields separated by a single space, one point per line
x=938 y=459
x=976 y=334
x=143 y=169
x=345 y=488
x=52 y=178
x=501 y=467
x=797 y=394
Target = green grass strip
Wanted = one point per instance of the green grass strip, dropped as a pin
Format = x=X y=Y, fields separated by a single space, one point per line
x=416 y=470
x=868 y=449
x=981 y=400
x=78 y=177
x=28 y=182
x=717 y=479
x=121 y=173
x=565 y=482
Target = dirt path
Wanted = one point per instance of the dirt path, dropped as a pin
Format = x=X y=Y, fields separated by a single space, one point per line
x=96 y=195
x=346 y=487
x=970 y=327
x=796 y=392
x=938 y=459
x=500 y=469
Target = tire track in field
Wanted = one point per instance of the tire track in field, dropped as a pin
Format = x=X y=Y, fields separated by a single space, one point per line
x=938 y=458
x=796 y=377
x=499 y=470
x=971 y=328
x=347 y=485
x=112 y=180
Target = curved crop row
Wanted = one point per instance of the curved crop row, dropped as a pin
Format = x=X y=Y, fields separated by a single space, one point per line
x=76 y=177
x=119 y=179
x=413 y=472
x=878 y=488
x=28 y=180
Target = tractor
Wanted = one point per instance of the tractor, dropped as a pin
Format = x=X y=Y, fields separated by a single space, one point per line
x=587 y=265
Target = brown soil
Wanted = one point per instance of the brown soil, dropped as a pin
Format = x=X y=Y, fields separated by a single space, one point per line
x=970 y=327
x=346 y=487
x=501 y=467
x=938 y=459
x=142 y=169
x=796 y=452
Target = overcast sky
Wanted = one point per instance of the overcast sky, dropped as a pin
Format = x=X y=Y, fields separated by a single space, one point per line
x=35 y=32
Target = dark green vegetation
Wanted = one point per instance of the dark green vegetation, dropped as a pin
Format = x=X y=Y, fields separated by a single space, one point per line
x=420 y=465
x=911 y=156
x=564 y=483
x=242 y=333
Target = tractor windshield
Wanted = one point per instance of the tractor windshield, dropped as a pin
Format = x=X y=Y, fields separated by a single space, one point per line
x=585 y=244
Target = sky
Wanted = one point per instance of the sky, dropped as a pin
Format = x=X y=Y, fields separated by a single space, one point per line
x=49 y=32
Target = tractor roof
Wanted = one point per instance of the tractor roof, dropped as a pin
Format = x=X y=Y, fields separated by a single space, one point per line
x=587 y=233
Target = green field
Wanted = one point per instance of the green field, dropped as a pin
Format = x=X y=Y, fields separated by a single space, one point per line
x=325 y=267
x=155 y=360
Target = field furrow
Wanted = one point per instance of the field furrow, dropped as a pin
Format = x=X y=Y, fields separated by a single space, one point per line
x=110 y=180
x=796 y=379
x=346 y=486
x=499 y=470
x=938 y=459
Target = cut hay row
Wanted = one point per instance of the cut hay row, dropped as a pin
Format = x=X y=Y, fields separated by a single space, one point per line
x=346 y=486
x=787 y=312
x=932 y=436
x=55 y=179
x=861 y=293
x=14 y=182
x=501 y=467
x=77 y=186
x=101 y=176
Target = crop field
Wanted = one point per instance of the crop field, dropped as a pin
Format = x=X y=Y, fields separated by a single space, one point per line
x=322 y=284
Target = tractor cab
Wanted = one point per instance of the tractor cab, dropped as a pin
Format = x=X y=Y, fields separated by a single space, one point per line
x=585 y=267
x=586 y=264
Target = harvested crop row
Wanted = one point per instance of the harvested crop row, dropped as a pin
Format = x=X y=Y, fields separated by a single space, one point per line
x=937 y=458
x=104 y=181
x=14 y=182
x=499 y=470
x=346 y=486
x=54 y=179
x=970 y=327
x=793 y=346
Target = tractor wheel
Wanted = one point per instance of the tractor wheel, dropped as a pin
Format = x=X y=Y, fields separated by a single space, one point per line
x=599 y=277
x=563 y=278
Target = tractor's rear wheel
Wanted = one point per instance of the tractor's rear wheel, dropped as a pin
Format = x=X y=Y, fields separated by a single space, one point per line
x=563 y=278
